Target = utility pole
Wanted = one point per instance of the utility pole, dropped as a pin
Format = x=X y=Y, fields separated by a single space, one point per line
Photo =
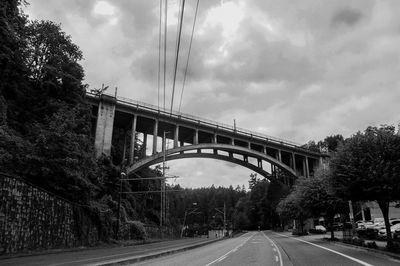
x=162 y=183
x=163 y=215
x=224 y=213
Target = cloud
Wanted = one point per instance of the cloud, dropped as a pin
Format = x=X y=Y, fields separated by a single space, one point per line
x=348 y=17
x=297 y=70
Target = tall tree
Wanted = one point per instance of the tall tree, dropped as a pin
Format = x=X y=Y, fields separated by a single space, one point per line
x=367 y=167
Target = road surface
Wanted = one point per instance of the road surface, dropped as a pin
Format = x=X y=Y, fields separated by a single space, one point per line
x=98 y=255
x=268 y=248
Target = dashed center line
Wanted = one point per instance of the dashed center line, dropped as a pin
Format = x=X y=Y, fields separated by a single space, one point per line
x=276 y=249
x=229 y=252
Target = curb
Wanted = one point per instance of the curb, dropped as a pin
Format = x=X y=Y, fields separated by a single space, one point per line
x=378 y=251
x=127 y=261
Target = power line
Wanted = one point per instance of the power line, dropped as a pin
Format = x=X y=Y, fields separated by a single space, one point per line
x=177 y=54
x=165 y=45
x=159 y=57
x=187 y=61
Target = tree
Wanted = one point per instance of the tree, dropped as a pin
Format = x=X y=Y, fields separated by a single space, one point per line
x=318 y=196
x=367 y=167
x=291 y=208
x=332 y=142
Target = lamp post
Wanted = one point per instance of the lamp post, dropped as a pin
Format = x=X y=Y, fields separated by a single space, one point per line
x=119 y=204
x=186 y=213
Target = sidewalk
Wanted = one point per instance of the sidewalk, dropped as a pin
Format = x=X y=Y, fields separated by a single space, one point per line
x=109 y=255
x=339 y=235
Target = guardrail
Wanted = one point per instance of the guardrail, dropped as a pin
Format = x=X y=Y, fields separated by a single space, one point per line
x=204 y=121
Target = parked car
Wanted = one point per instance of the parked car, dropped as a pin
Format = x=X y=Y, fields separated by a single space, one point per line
x=363 y=224
x=319 y=229
x=393 y=228
x=396 y=234
x=374 y=231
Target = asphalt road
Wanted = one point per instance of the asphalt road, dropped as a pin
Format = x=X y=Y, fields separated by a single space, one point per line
x=267 y=248
x=98 y=255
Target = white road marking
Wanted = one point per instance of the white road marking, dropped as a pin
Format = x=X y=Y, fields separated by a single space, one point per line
x=276 y=258
x=279 y=253
x=331 y=250
x=231 y=251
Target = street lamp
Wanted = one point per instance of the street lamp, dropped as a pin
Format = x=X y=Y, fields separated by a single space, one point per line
x=123 y=174
x=186 y=213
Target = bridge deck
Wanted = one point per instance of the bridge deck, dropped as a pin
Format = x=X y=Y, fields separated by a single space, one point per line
x=202 y=122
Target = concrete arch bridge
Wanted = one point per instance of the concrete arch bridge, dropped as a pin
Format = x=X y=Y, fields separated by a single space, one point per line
x=194 y=137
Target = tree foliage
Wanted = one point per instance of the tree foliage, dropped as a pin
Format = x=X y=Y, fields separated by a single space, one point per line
x=367 y=168
x=313 y=198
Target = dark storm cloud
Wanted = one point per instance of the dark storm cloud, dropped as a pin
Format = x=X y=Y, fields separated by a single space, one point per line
x=348 y=17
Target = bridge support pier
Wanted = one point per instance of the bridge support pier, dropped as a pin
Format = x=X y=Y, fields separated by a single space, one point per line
x=176 y=136
x=133 y=140
x=104 y=125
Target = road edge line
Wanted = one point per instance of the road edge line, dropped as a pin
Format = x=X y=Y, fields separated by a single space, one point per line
x=328 y=249
x=129 y=260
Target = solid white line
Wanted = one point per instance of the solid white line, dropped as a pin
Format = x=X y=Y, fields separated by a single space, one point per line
x=279 y=253
x=331 y=250
x=230 y=251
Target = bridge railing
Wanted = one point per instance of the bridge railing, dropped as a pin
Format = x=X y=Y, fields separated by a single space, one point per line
x=204 y=121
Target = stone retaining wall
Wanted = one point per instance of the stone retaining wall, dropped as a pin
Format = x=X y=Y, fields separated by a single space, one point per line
x=32 y=219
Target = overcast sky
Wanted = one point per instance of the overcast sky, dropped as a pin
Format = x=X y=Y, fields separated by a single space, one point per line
x=298 y=70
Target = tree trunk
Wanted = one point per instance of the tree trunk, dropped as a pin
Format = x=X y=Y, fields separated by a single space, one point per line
x=331 y=218
x=384 y=206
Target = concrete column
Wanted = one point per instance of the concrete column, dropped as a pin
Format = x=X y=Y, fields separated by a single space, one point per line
x=294 y=162
x=155 y=134
x=215 y=151
x=144 y=144
x=245 y=158
x=196 y=137
x=176 y=136
x=307 y=168
x=124 y=150
x=104 y=126
x=214 y=140
x=259 y=162
x=264 y=150
x=133 y=140
x=279 y=156
x=249 y=145
x=304 y=167
x=232 y=141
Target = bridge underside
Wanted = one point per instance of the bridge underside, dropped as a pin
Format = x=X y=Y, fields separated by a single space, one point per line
x=229 y=153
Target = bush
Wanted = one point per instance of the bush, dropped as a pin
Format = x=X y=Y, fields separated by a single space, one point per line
x=371 y=244
x=133 y=230
x=355 y=241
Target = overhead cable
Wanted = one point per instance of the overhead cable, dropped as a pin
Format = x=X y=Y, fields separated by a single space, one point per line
x=177 y=54
x=159 y=57
x=187 y=60
x=165 y=45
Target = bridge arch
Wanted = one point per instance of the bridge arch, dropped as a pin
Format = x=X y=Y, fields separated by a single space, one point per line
x=186 y=152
